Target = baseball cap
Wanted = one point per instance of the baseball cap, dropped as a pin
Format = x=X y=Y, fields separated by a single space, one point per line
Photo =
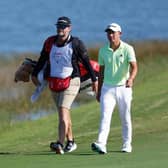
x=114 y=27
x=63 y=20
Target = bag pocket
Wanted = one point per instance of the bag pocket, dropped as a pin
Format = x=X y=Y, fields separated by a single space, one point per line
x=58 y=84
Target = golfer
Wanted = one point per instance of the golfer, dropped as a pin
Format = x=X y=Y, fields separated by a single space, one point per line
x=118 y=69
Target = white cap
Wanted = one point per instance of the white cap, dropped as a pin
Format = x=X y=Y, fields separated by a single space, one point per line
x=114 y=27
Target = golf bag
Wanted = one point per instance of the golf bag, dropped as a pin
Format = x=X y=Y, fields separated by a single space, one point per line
x=25 y=70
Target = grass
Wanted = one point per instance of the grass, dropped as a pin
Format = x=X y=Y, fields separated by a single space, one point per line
x=26 y=144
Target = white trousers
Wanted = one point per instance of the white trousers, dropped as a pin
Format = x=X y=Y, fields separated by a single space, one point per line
x=109 y=97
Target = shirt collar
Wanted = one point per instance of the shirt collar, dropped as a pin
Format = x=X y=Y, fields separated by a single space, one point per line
x=120 y=47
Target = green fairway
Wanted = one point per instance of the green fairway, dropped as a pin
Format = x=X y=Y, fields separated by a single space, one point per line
x=149 y=151
x=26 y=144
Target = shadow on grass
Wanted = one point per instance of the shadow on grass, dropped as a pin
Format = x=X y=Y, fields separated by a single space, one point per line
x=53 y=153
x=28 y=153
x=46 y=153
x=112 y=151
x=7 y=153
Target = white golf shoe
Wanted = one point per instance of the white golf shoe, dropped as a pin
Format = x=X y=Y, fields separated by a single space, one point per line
x=99 y=148
x=70 y=146
x=126 y=148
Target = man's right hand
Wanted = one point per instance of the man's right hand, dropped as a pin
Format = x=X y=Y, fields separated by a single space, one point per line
x=98 y=96
x=35 y=80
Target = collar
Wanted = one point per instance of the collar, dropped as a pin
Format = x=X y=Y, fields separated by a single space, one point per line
x=65 y=42
x=120 y=47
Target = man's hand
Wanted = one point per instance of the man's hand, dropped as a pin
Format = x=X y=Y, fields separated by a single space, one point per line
x=98 y=96
x=129 y=83
x=95 y=86
x=35 y=80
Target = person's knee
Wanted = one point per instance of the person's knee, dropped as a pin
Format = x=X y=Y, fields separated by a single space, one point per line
x=69 y=124
x=64 y=116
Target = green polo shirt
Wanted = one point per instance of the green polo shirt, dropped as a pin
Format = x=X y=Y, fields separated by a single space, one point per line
x=116 y=63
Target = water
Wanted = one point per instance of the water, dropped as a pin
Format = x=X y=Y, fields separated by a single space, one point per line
x=30 y=116
x=26 y=24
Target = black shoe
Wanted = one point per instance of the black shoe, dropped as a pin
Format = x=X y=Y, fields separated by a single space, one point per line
x=70 y=146
x=57 y=147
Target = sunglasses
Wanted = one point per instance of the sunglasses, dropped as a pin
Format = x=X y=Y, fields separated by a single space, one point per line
x=61 y=26
x=110 y=32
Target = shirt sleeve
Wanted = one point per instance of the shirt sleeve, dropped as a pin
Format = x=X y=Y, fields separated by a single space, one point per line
x=131 y=54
